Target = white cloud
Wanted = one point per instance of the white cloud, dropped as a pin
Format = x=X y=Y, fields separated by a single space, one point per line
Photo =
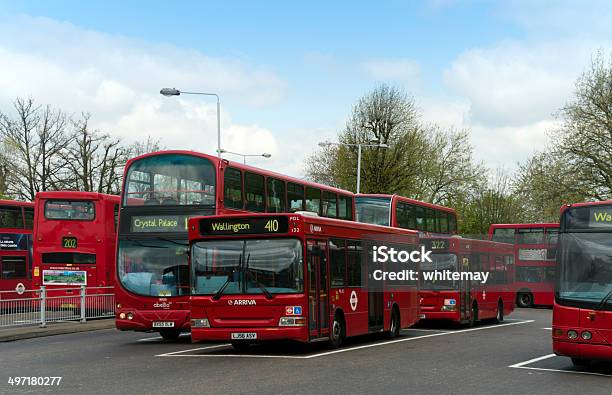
x=516 y=83
x=118 y=81
x=402 y=70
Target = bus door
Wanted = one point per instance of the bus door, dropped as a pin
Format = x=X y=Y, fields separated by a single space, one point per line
x=318 y=289
x=464 y=294
x=376 y=310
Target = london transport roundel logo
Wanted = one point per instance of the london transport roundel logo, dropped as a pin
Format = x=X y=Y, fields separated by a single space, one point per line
x=20 y=288
x=353 y=300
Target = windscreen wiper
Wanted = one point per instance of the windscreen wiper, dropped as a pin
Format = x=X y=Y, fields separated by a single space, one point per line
x=218 y=294
x=604 y=301
x=142 y=244
x=259 y=285
x=172 y=241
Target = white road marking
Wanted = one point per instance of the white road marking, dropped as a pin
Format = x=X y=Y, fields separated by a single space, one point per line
x=325 y=353
x=174 y=354
x=148 y=339
x=522 y=365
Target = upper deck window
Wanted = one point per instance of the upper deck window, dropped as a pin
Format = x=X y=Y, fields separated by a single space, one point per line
x=170 y=180
x=373 y=210
x=530 y=235
x=81 y=210
x=10 y=217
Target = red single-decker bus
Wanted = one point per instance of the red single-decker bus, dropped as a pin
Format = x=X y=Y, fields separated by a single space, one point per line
x=582 y=313
x=257 y=278
x=467 y=299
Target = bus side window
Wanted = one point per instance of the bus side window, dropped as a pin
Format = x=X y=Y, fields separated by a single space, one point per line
x=116 y=215
x=337 y=262
x=313 y=200
x=410 y=213
x=442 y=221
x=330 y=203
x=232 y=189
x=275 y=196
x=420 y=218
x=452 y=223
x=254 y=192
x=295 y=196
x=353 y=267
x=345 y=207
x=431 y=220
x=400 y=215
x=29 y=218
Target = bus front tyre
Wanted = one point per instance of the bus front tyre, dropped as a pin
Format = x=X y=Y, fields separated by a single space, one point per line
x=169 y=334
x=500 y=312
x=580 y=362
x=524 y=299
x=394 y=326
x=337 y=332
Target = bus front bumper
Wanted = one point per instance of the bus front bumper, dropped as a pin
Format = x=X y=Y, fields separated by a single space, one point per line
x=152 y=320
x=573 y=349
x=255 y=334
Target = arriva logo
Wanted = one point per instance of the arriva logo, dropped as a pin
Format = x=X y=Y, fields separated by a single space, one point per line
x=242 y=302
x=162 y=305
x=315 y=228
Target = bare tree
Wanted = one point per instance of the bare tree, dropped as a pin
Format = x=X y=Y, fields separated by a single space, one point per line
x=94 y=159
x=33 y=140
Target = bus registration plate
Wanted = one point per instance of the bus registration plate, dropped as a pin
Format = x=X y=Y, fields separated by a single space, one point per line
x=163 y=324
x=244 y=336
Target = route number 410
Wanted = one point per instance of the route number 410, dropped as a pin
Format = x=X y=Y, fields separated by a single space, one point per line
x=272 y=225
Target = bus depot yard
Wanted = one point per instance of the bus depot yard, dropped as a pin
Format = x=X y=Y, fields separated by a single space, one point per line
x=512 y=357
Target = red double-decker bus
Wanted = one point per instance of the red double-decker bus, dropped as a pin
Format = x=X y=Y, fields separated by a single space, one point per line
x=74 y=241
x=460 y=297
x=535 y=248
x=401 y=212
x=292 y=277
x=16 y=223
x=160 y=192
x=582 y=313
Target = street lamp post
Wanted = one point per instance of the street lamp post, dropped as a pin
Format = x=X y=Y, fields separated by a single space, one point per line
x=175 y=92
x=327 y=144
x=244 y=156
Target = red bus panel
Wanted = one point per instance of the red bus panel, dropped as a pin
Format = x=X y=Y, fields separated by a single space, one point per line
x=16 y=222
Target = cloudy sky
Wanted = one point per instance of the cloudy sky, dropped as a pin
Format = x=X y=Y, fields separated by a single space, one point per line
x=289 y=74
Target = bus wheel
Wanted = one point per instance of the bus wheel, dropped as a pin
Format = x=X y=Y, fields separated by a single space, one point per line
x=337 y=331
x=582 y=363
x=241 y=346
x=500 y=312
x=394 y=327
x=169 y=334
x=524 y=299
x=474 y=318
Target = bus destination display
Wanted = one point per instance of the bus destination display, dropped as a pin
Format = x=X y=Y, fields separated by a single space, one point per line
x=242 y=226
x=159 y=223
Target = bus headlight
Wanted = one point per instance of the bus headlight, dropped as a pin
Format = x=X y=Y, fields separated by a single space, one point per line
x=200 y=323
x=291 y=321
x=586 y=335
x=572 y=334
x=130 y=316
x=122 y=316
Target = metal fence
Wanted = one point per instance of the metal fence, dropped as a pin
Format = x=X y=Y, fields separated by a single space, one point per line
x=57 y=304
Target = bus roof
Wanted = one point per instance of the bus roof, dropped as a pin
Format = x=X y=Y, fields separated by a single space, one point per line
x=533 y=225
x=77 y=195
x=584 y=204
x=215 y=161
x=15 y=203
x=408 y=200
x=308 y=219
